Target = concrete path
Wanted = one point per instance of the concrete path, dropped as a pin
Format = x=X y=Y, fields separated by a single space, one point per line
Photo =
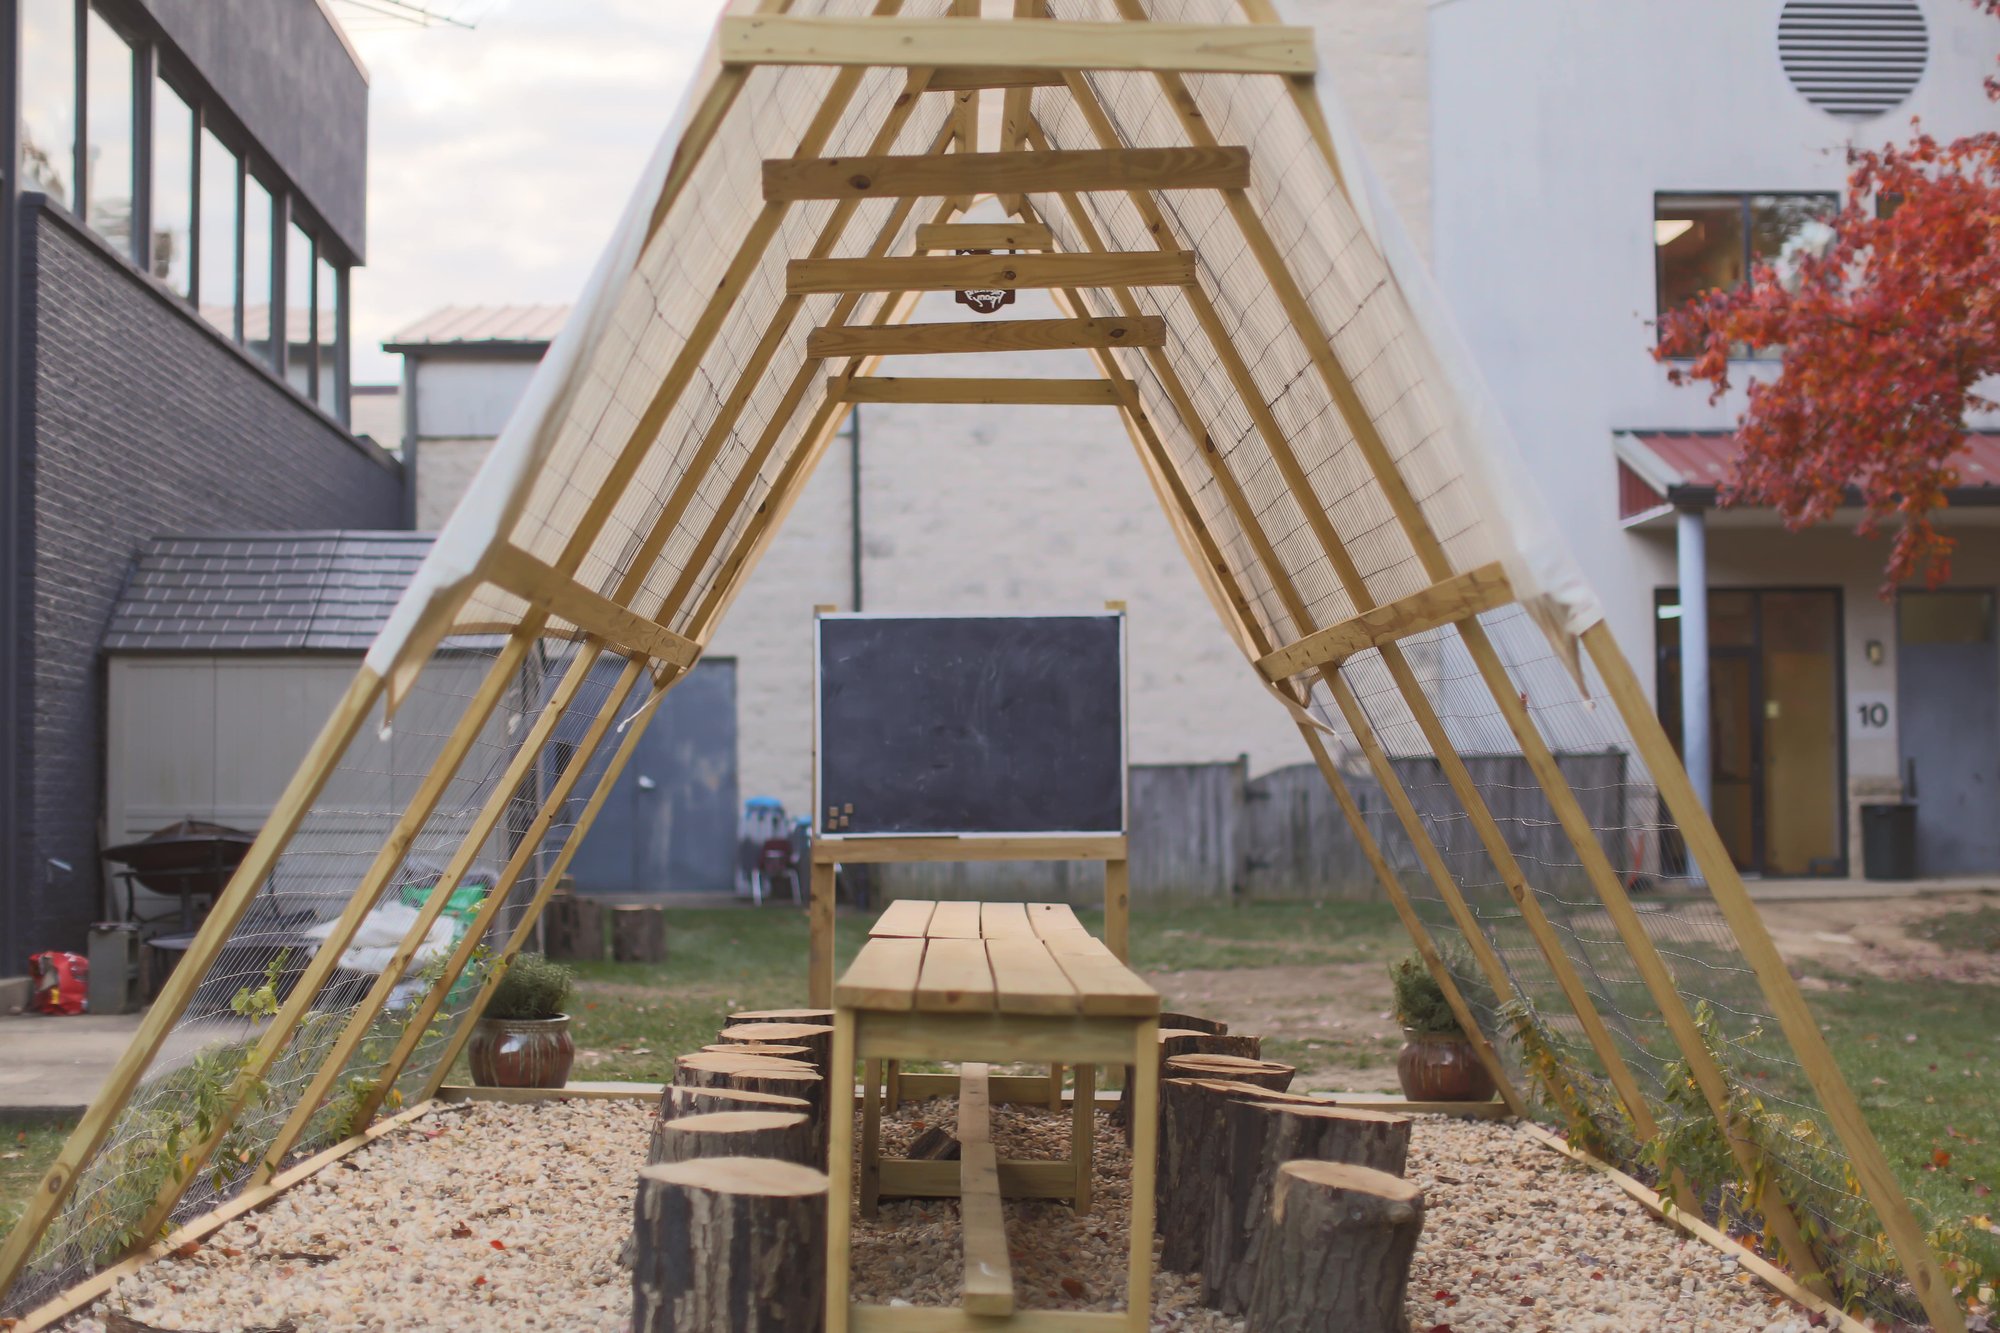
x=52 y=1066
x=1832 y=890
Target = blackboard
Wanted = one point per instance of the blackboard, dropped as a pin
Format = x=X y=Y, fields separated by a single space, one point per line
x=971 y=724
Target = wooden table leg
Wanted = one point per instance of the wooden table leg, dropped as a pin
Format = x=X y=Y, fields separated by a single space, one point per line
x=871 y=1137
x=894 y=1092
x=1055 y=1087
x=1145 y=1154
x=840 y=1174
x=1083 y=1136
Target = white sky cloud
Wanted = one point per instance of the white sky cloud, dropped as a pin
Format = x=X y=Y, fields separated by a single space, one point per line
x=500 y=157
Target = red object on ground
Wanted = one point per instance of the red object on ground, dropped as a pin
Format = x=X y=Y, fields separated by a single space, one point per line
x=61 y=981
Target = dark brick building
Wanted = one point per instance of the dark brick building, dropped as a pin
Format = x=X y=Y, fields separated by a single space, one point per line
x=185 y=197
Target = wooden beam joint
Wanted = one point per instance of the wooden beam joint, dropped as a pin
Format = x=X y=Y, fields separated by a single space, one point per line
x=549 y=590
x=944 y=175
x=1457 y=598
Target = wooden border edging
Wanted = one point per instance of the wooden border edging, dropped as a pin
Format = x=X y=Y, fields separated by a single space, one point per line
x=583 y=1092
x=1773 y=1276
x=199 y=1228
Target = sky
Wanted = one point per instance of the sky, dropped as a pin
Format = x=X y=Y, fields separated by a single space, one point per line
x=501 y=156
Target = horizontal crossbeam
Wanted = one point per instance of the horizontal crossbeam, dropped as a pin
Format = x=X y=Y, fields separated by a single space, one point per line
x=1008 y=335
x=984 y=236
x=549 y=589
x=1186 y=48
x=958 y=79
x=947 y=175
x=1457 y=598
x=944 y=273
x=1024 y=847
x=989 y=391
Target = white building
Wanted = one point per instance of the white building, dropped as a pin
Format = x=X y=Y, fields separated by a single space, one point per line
x=1591 y=161
x=1535 y=149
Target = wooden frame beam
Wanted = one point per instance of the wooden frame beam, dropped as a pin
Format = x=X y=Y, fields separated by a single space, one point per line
x=966 y=336
x=812 y=277
x=983 y=236
x=999 y=392
x=1462 y=595
x=958 y=78
x=1026 y=847
x=1189 y=48
x=551 y=592
x=948 y=175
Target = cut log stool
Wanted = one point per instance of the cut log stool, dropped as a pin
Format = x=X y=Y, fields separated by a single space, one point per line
x=678 y=1100
x=573 y=929
x=782 y=1016
x=1259 y=1137
x=756 y=1073
x=784 y=1136
x=1191 y=1156
x=639 y=934
x=729 y=1245
x=1188 y=1041
x=1336 y=1251
x=815 y=1037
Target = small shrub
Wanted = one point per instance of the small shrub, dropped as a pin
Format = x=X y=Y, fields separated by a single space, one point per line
x=533 y=987
x=1420 y=1003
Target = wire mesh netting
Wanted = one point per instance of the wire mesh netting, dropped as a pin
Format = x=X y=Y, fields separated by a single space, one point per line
x=672 y=426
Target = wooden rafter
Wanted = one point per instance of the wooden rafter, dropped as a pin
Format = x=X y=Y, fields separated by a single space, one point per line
x=546 y=588
x=966 y=336
x=969 y=272
x=954 y=78
x=1462 y=595
x=944 y=176
x=1091 y=392
x=1017 y=44
x=983 y=236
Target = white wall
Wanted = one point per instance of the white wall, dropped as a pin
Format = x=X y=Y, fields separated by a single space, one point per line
x=1554 y=123
x=470 y=397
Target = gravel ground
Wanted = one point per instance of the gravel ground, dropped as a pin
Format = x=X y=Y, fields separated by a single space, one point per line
x=493 y=1217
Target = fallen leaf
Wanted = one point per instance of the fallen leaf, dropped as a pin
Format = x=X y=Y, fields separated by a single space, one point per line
x=497 y=1244
x=1073 y=1287
x=461 y=1232
x=187 y=1251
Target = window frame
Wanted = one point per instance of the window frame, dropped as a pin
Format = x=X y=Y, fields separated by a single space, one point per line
x=1747 y=223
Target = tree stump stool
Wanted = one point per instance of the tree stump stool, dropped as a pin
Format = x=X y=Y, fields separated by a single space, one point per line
x=1259 y=1137
x=1186 y=1041
x=677 y=1100
x=1191 y=1147
x=756 y=1073
x=1236 y=1068
x=573 y=930
x=803 y=1054
x=784 y=1136
x=815 y=1037
x=1336 y=1251
x=729 y=1245
x=1194 y=1023
x=638 y=935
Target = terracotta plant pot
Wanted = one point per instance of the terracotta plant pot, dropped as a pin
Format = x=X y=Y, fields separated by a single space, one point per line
x=521 y=1052
x=1441 y=1067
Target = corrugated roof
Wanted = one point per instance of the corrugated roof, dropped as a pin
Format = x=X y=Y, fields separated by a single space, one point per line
x=1689 y=466
x=263 y=591
x=483 y=324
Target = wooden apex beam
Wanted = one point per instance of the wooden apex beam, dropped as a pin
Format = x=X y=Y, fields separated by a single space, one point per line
x=992 y=392
x=944 y=175
x=984 y=236
x=549 y=589
x=1455 y=599
x=957 y=78
x=1187 y=48
x=1010 y=335
x=814 y=277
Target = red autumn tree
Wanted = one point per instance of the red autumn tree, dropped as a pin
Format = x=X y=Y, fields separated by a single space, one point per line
x=1885 y=333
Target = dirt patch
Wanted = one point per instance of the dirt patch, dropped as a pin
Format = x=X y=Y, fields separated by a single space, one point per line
x=1876 y=937
x=1332 y=1020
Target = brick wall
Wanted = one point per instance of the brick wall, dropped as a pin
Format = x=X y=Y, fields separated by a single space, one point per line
x=140 y=422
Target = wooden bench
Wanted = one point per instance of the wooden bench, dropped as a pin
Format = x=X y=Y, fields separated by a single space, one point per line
x=980 y=983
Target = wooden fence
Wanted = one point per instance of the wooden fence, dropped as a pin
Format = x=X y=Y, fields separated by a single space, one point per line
x=1210 y=832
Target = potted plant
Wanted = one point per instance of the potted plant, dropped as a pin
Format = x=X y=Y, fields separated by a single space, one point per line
x=522 y=1040
x=1437 y=1063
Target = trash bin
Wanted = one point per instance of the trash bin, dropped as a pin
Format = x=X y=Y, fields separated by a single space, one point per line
x=1889 y=840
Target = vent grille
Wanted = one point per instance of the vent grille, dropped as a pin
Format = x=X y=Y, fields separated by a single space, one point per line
x=1854 y=57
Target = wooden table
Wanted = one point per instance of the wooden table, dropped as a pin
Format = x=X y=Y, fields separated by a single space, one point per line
x=977 y=983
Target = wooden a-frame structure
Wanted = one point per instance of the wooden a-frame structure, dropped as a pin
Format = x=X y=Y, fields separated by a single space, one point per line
x=1324 y=456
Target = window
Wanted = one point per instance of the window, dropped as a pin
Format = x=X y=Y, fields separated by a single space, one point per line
x=217 y=261
x=257 y=258
x=109 y=125
x=48 y=96
x=300 y=353
x=173 y=189
x=1702 y=242
x=328 y=336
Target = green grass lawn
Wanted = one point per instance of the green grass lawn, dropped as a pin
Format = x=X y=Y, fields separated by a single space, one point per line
x=26 y=1149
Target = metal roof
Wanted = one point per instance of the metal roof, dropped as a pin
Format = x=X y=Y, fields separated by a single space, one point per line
x=534 y=325
x=263 y=591
x=1689 y=467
